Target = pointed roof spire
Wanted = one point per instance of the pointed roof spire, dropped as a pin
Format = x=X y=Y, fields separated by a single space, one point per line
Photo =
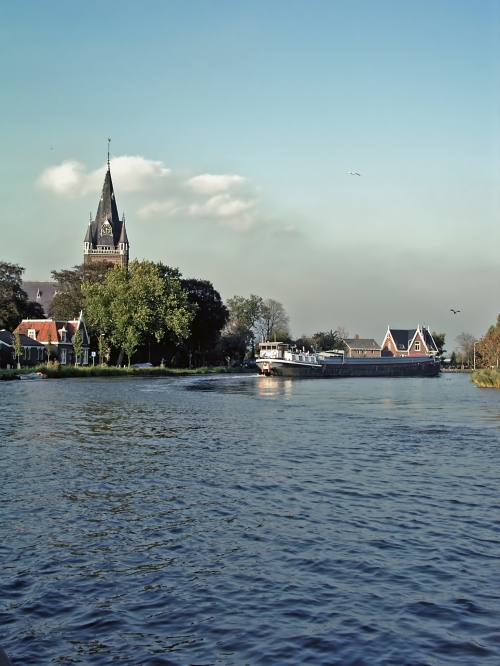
x=123 y=235
x=109 y=141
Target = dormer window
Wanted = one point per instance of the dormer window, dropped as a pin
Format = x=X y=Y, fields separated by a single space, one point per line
x=32 y=333
x=106 y=229
x=417 y=345
x=63 y=335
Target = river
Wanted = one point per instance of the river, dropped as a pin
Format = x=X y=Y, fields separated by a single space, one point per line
x=236 y=519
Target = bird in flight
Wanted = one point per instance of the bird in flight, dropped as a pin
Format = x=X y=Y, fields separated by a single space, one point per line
x=454 y=311
x=353 y=173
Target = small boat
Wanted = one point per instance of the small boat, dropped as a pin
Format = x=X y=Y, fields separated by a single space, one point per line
x=282 y=360
x=34 y=375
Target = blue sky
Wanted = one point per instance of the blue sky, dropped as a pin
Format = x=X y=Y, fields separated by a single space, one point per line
x=233 y=127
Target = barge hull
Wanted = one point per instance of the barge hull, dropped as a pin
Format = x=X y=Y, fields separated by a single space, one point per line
x=353 y=369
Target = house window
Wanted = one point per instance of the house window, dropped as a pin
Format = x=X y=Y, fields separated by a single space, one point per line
x=27 y=353
x=32 y=333
x=63 y=356
x=85 y=357
x=63 y=335
x=417 y=345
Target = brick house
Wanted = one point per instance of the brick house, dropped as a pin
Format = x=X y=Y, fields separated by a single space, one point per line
x=412 y=342
x=34 y=352
x=362 y=347
x=61 y=334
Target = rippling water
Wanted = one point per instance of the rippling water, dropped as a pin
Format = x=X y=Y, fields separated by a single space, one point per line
x=247 y=520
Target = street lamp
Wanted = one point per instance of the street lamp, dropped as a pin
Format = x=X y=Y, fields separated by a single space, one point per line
x=475 y=343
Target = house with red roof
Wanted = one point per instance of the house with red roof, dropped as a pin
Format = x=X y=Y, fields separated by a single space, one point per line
x=409 y=342
x=61 y=335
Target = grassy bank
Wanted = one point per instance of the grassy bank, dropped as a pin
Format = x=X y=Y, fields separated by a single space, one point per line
x=486 y=378
x=62 y=371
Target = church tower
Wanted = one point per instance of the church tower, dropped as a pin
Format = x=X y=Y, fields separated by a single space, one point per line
x=106 y=237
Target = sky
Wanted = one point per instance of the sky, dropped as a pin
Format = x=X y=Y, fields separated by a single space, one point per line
x=233 y=127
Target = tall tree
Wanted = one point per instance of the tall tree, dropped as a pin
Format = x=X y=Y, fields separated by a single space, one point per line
x=68 y=301
x=14 y=303
x=439 y=340
x=488 y=348
x=77 y=342
x=18 y=348
x=465 y=343
x=210 y=318
x=144 y=301
x=273 y=319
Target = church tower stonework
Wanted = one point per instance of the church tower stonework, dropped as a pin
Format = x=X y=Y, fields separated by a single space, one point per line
x=106 y=237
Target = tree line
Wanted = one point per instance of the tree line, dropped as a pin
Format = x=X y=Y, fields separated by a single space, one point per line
x=149 y=312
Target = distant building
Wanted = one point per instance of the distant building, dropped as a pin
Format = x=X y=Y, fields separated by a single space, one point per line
x=41 y=292
x=34 y=352
x=61 y=336
x=106 y=237
x=362 y=347
x=412 y=342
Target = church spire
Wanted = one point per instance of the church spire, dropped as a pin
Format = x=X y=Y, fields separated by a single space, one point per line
x=106 y=238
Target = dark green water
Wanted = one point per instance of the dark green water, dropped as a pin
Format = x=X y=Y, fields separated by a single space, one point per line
x=246 y=520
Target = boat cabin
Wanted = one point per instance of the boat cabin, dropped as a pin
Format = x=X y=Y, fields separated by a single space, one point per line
x=273 y=349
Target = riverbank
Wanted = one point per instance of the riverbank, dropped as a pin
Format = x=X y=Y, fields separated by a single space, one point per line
x=60 y=372
x=486 y=378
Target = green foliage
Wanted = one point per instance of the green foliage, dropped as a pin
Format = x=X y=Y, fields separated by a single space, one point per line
x=147 y=300
x=486 y=378
x=488 y=348
x=77 y=343
x=130 y=342
x=14 y=303
x=18 y=348
x=49 y=346
x=210 y=318
x=439 y=340
x=69 y=301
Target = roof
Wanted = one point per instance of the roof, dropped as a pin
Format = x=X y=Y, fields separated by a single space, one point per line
x=362 y=343
x=6 y=338
x=107 y=211
x=123 y=234
x=40 y=292
x=403 y=338
x=45 y=326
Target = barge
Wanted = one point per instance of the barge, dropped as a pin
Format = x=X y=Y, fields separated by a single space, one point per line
x=279 y=359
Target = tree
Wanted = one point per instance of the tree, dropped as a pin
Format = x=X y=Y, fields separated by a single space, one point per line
x=18 y=348
x=210 y=318
x=130 y=343
x=465 y=343
x=439 y=340
x=68 y=300
x=324 y=341
x=488 y=348
x=14 y=303
x=49 y=346
x=273 y=319
x=77 y=343
x=147 y=300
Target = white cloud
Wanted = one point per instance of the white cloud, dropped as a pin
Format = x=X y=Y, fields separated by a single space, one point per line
x=158 y=209
x=208 y=183
x=131 y=173
x=221 y=205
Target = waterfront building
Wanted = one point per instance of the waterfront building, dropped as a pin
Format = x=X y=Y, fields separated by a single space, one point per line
x=61 y=335
x=362 y=347
x=409 y=342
